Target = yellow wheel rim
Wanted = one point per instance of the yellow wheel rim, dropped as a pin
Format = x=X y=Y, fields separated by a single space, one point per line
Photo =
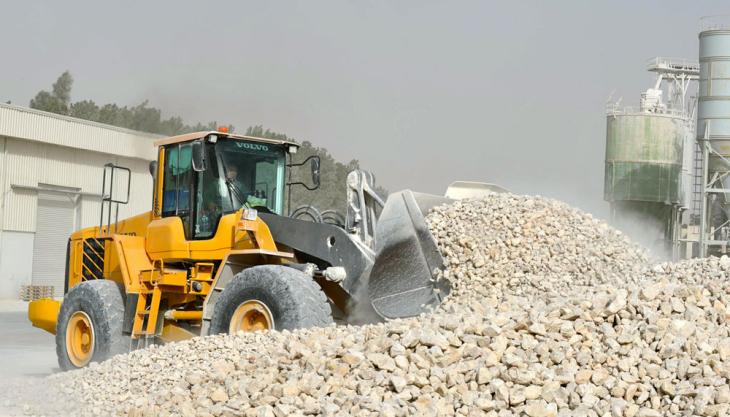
x=80 y=339
x=251 y=316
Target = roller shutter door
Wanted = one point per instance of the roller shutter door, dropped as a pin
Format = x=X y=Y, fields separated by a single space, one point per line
x=54 y=224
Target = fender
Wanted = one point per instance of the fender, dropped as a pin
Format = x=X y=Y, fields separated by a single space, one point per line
x=233 y=263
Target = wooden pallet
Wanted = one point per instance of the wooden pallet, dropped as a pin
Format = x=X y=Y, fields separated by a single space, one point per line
x=36 y=292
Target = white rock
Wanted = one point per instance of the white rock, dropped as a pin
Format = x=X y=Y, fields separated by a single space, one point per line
x=551 y=312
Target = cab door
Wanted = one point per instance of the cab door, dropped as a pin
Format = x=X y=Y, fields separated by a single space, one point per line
x=214 y=216
x=168 y=235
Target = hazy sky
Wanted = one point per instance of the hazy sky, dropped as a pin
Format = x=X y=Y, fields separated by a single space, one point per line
x=421 y=92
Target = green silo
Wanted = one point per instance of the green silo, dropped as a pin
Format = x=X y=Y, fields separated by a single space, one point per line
x=644 y=155
x=647 y=177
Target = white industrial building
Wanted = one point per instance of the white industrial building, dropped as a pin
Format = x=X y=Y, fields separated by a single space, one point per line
x=51 y=170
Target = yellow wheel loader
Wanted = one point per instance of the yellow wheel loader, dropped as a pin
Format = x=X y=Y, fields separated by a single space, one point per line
x=218 y=254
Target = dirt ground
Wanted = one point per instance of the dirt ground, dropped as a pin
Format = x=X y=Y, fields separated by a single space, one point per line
x=26 y=354
x=24 y=350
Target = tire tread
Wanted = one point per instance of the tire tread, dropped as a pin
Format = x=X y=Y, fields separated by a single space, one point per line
x=303 y=302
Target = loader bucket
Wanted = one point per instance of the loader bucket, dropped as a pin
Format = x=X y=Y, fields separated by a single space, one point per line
x=402 y=281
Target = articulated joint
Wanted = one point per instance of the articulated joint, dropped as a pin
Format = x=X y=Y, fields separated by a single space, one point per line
x=335 y=274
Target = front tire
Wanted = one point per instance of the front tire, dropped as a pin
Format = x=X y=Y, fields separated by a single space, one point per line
x=89 y=327
x=270 y=297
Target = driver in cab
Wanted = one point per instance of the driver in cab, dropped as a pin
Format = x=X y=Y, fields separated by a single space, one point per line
x=242 y=195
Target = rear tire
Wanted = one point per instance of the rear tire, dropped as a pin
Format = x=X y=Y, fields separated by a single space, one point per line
x=91 y=311
x=291 y=298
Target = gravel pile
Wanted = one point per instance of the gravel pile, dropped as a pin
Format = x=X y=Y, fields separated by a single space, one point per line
x=520 y=245
x=552 y=313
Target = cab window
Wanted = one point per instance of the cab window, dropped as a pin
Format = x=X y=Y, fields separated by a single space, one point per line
x=178 y=183
x=252 y=175
x=210 y=199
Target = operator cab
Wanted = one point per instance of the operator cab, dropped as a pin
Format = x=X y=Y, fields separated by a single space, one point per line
x=211 y=174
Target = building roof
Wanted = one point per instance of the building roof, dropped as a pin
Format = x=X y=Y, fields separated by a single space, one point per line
x=40 y=126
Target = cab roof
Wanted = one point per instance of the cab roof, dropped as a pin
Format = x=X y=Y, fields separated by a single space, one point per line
x=188 y=137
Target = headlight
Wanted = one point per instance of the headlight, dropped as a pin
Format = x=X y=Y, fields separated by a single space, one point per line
x=249 y=214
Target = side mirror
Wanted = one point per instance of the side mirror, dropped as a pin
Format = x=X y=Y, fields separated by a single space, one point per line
x=198 y=150
x=314 y=164
x=153 y=168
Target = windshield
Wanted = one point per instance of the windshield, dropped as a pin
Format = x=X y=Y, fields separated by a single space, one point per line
x=239 y=174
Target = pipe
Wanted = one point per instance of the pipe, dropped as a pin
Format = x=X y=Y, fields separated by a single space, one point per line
x=184 y=315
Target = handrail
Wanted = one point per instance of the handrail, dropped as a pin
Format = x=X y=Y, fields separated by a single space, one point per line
x=614 y=109
x=661 y=62
x=108 y=199
x=715 y=22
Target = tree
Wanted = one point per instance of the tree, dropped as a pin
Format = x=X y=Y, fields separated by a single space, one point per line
x=85 y=109
x=145 y=119
x=111 y=114
x=172 y=126
x=62 y=87
x=141 y=117
x=259 y=132
x=58 y=100
x=331 y=195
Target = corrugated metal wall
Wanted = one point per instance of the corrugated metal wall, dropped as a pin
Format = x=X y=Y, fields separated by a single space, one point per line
x=28 y=165
x=21 y=122
x=43 y=151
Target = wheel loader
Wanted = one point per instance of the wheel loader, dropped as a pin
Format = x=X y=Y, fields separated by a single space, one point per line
x=218 y=254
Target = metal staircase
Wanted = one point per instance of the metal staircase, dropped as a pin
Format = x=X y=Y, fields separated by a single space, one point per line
x=698 y=182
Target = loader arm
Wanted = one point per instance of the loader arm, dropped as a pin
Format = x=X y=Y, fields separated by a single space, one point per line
x=394 y=280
